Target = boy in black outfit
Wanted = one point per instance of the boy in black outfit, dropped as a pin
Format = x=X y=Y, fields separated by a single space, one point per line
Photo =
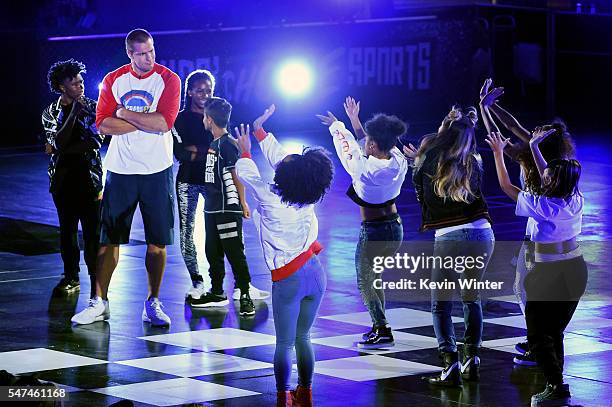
x=224 y=208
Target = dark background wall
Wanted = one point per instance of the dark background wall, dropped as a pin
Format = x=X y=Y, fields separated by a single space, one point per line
x=393 y=55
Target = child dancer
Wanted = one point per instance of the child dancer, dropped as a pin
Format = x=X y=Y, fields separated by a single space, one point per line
x=447 y=178
x=288 y=229
x=559 y=277
x=377 y=172
x=559 y=144
x=191 y=142
x=224 y=209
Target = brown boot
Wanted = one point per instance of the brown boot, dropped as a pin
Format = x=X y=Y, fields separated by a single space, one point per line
x=302 y=396
x=283 y=399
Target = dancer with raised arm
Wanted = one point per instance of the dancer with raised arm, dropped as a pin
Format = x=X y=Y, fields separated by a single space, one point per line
x=558 y=144
x=447 y=179
x=559 y=276
x=288 y=227
x=377 y=173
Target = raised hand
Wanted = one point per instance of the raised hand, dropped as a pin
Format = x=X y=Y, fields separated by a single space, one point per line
x=243 y=138
x=258 y=123
x=327 y=120
x=410 y=151
x=351 y=107
x=497 y=142
x=491 y=97
x=485 y=87
x=540 y=135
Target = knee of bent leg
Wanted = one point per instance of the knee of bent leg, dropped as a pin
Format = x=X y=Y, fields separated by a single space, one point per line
x=155 y=248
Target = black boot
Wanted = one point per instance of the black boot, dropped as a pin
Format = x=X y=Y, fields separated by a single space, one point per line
x=470 y=365
x=450 y=375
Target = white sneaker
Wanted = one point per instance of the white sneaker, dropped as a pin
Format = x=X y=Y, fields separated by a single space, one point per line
x=196 y=292
x=97 y=310
x=254 y=292
x=153 y=313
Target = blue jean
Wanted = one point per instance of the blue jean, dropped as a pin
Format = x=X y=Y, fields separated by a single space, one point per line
x=376 y=238
x=295 y=303
x=482 y=242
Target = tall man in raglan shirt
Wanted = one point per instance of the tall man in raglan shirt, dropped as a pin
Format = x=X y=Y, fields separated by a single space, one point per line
x=138 y=105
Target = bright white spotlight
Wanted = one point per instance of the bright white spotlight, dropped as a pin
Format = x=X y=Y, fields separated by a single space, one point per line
x=293 y=146
x=294 y=78
x=100 y=85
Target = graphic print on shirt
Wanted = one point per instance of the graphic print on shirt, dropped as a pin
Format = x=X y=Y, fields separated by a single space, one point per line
x=231 y=192
x=137 y=101
x=209 y=174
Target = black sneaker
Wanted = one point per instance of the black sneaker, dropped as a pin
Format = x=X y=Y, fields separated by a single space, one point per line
x=209 y=300
x=246 y=305
x=68 y=285
x=522 y=347
x=528 y=359
x=366 y=335
x=552 y=396
x=381 y=338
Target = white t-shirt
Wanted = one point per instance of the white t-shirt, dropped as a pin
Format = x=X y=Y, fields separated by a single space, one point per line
x=551 y=219
x=159 y=90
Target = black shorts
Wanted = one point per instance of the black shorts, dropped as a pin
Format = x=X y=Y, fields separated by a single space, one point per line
x=154 y=194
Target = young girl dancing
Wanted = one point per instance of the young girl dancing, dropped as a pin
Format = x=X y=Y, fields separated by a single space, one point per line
x=377 y=172
x=558 y=144
x=288 y=229
x=559 y=277
x=447 y=178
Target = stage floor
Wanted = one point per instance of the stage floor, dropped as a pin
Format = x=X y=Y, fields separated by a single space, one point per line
x=215 y=357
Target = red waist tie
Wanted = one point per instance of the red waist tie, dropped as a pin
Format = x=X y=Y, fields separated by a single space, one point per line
x=295 y=264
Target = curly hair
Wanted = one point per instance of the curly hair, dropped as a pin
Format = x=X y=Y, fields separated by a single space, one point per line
x=62 y=70
x=304 y=179
x=192 y=79
x=385 y=130
x=558 y=145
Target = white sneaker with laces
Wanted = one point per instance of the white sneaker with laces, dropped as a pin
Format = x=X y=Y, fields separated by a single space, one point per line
x=97 y=310
x=196 y=292
x=153 y=313
x=254 y=292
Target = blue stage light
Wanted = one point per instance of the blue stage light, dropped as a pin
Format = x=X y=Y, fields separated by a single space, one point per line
x=294 y=78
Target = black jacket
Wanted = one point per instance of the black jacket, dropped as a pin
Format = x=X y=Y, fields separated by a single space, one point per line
x=82 y=141
x=437 y=212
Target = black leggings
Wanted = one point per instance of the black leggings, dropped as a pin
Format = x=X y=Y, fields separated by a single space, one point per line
x=553 y=291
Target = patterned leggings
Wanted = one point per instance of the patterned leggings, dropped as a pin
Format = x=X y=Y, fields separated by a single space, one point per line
x=188 y=195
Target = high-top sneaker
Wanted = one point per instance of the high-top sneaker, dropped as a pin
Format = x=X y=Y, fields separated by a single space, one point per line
x=470 y=365
x=381 y=338
x=366 y=335
x=302 y=396
x=283 y=399
x=527 y=359
x=450 y=375
x=554 y=395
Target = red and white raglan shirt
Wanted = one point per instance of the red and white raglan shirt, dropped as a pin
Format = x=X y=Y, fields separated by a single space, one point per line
x=159 y=90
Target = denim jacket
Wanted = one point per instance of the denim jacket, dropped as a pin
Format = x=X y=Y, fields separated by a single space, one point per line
x=85 y=140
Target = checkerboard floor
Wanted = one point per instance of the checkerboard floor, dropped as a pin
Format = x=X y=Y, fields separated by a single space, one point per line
x=214 y=357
